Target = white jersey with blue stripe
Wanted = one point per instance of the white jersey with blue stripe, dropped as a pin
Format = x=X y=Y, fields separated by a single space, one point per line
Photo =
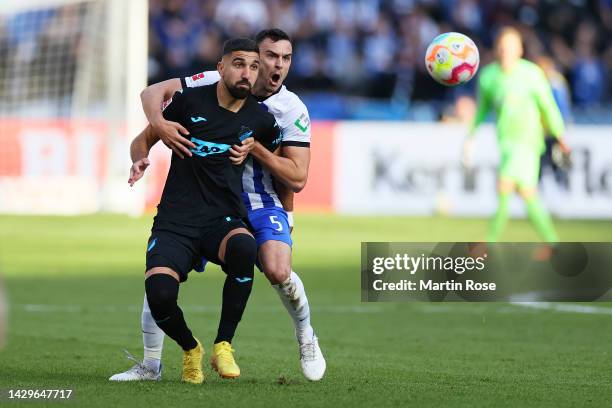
x=292 y=117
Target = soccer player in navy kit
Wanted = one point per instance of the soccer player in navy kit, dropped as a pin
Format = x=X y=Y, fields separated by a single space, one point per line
x=268 y=182
x=201 y=211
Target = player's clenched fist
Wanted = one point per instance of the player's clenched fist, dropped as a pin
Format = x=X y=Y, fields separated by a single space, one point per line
x=238 y=153
x=137 y=170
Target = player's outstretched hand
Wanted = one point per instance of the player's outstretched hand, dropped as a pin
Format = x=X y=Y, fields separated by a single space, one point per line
x=172 y=134
x=137 y=170
x=562 y=155
x=564 y=147
x=239 y=153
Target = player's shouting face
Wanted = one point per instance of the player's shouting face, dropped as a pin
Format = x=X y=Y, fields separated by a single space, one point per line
x=275 y=63
x=239 y=71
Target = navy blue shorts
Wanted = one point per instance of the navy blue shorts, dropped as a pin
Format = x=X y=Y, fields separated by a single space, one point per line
x=172 y=247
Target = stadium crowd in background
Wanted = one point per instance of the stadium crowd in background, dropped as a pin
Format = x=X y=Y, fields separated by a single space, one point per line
x=374 y=48
x=354 y=59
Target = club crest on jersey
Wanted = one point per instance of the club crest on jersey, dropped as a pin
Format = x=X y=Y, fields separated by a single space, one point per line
x=204 y=149
x=244 y=133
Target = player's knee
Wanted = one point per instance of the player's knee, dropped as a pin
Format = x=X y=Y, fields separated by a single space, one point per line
x=241 y=251
x=527 y=193
x=506 y=187
x=162 y=294
x=277 y=273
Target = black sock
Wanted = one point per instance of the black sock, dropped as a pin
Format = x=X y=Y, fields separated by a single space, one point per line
x=162 y=295
x=240 y=255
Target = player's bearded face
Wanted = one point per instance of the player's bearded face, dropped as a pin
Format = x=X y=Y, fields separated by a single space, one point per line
x=240 y=89
x=240 y=73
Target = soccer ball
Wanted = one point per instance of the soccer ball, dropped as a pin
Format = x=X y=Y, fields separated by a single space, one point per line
x=452 y=59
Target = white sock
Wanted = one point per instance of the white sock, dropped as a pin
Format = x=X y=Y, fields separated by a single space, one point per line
x=294 y=298
x=152 y=338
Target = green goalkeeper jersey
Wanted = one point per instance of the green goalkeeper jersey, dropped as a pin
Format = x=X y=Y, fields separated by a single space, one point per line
x=523 y=103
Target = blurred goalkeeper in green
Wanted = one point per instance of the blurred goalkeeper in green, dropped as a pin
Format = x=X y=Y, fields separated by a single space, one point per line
x=520 y=95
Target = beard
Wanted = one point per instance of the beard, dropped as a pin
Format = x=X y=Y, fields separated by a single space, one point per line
x=239 y=92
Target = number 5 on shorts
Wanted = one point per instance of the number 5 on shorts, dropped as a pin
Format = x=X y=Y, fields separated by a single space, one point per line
x=274 y=220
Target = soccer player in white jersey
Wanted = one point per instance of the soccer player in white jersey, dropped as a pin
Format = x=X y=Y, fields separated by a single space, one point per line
x=269 y=204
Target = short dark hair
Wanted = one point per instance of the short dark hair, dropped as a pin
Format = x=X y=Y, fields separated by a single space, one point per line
x=240 y=44
x=274 y=34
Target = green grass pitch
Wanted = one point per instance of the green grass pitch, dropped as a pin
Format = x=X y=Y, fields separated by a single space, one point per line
x=75 y=289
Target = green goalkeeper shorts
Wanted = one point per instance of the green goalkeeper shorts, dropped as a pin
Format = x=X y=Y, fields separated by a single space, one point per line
x=521 y=165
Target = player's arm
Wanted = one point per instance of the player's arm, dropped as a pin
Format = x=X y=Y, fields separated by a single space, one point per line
x=139 y=152
x=153 y=98
x=171 y=133
x=483 y=105
x=285 y=195
x=482 y=110
x=142 y=144
x=239 y=153
x=290 y=168
x=549 y=109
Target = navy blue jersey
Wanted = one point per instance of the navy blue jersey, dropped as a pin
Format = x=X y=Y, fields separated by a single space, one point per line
x=206 y=186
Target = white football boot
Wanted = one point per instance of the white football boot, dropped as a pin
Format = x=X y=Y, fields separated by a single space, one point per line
x=138 y=372
x=311 y=358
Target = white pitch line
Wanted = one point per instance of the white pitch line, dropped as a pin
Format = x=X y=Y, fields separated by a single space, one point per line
x=566 y=307
x=339 y=309
x=44 y=308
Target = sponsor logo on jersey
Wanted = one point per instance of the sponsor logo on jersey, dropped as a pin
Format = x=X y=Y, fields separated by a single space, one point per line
x=198 y=119
x=244 y=133
x=204 y=149
x=302 y=123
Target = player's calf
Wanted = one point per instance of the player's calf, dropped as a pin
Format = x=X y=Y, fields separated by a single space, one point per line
x=152 y=338
x=162 y=296
x=239 y=262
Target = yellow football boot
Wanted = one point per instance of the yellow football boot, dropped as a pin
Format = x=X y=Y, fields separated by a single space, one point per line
x=223 y=362
x=192 y=365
